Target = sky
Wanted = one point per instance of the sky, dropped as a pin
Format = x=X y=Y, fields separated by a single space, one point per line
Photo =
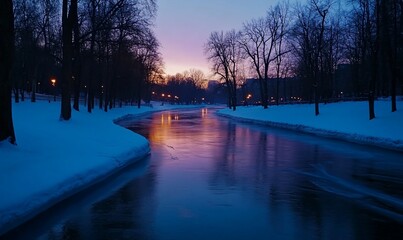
x=183 y=28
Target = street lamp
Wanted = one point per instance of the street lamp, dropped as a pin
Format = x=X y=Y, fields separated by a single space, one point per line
x=53 y=81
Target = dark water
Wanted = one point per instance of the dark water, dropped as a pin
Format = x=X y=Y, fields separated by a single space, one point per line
x=212 y=178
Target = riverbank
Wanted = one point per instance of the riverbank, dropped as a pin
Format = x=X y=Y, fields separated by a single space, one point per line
x=346 y=121
x=56 y=159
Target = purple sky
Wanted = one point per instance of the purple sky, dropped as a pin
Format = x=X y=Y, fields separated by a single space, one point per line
x=183 y=27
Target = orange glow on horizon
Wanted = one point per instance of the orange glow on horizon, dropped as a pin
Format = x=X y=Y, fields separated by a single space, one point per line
x=174 y=68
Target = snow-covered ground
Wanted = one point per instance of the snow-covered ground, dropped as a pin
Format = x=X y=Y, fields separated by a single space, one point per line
x=55 y=159
x=344 y=120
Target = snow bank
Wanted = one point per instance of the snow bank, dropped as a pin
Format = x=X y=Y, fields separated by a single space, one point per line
x=55 y=159
x=345 y=120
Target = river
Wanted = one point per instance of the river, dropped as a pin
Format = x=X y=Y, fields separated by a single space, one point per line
x=212 y=178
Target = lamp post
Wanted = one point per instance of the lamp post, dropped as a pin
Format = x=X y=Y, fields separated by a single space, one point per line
x=53 y=82
x=248 y=98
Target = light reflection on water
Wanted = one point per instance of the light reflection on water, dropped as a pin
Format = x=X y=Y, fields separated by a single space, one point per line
x=211 y=178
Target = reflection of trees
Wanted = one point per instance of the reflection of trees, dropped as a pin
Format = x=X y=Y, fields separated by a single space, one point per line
x=255 y=158
x=126 y=214
x=268 y=167
x=224 y=166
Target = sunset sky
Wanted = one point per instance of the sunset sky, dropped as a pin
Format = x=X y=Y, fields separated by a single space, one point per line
x=183 y=27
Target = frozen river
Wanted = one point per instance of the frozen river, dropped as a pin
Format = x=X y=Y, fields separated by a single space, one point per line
x=212 y=178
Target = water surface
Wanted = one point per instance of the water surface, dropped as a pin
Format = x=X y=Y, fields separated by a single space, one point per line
x=212 y=178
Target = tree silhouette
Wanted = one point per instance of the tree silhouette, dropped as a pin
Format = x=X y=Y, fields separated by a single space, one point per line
x=6 y=59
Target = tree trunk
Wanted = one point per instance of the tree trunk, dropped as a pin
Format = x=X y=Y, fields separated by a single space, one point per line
x=6 y=59
x=16 y=95
x=76 y=62
x=107 y=83
x=66 y=62
x=375 y=58
x=393 y=56
x=90 y=105
x=140 y=89
x=316 y=97
x=319 y=63
x=229 y=98
x=265 y=97
x=234 y=97
x=101 y=98
x=76 y=90
x=277 y=90
x=34 y=84
x=22 y=95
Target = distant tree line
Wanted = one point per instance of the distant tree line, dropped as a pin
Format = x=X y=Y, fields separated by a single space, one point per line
x=312 y=39
x=85 y=49
x=183 y=88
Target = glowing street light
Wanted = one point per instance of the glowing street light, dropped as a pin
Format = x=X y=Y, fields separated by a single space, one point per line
x=53 y=82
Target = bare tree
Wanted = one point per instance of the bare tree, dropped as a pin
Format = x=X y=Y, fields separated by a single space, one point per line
x=28 y=54
x=68 y=13
x=235 y=61
x=197 y=76
x=217 y=54
x=6 y=60
x=281 y=12
x=389 y=11
x=224 y=53
x=48 y=22
x=111 y=30
x=312 y=48
x=259 y=39
x=363 y=48
x=150 y=61
x=322 y=9
x=76 y=58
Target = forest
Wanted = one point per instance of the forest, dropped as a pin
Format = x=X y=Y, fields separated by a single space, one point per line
x=101 y=49
x=310 y=41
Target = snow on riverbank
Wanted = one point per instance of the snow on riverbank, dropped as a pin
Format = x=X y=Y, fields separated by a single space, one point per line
x=54 y=159
x=345 y=120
